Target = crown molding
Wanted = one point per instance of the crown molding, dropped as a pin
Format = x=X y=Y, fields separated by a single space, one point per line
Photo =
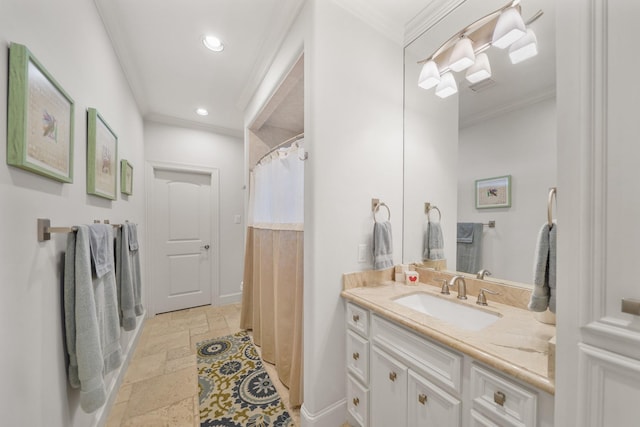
x=543 y=95
x=190 y=124
x=433 y=13
x=363 y=10
x=270 y=46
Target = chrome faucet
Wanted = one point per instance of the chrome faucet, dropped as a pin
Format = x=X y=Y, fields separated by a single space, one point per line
x=482 y=273
x=462 y=286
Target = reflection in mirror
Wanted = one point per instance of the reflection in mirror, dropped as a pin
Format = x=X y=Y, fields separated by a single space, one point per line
x=505 y=125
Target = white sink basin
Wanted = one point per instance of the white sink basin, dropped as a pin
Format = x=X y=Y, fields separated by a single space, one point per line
x=459 y=315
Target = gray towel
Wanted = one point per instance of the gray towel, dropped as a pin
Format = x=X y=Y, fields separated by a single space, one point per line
x=102 y=259
x=125 y=280
x=465 y=232
x=433 y=242
x=469 y=255
x=382 y=245
x=133 y=236
x=544 y=271
x=91 y=320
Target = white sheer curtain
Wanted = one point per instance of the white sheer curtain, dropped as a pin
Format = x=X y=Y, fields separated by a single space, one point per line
x=273 y=271
x=277 y=193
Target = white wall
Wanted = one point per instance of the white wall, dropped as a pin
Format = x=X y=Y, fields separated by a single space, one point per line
x=76 y=51
x=430 y=163
x=353 y=134
x=521 y=143
x=178 y=145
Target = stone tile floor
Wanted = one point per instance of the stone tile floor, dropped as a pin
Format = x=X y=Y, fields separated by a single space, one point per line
x=160 y=387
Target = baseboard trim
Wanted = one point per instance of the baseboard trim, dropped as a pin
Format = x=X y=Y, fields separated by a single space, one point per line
x=334 y=415
x=102 y=415
x=230 y=298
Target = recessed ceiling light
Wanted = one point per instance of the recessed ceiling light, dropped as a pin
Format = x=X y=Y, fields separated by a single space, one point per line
x=213 y=43
x=202 y=112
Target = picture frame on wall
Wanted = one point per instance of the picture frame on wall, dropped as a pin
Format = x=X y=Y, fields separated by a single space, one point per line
x=126 y=177
x=40 y=119
x=102 y=157
x=493 y=192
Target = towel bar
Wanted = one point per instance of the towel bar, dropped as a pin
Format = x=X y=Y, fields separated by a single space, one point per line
x=45 y=229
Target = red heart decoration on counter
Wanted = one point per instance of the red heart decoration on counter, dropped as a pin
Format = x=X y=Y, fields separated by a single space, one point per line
x=413 y=278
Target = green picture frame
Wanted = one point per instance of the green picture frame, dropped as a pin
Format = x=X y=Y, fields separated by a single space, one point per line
x=126 y=177
x=102 y=157
x=40 y=119
x=493 y=192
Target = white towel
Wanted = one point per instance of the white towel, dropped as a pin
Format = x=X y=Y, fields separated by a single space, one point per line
x=433 y=242
x=544 y=271
x=133 y=236
x=382 y=245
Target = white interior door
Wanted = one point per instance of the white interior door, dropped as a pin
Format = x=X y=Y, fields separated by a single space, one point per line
x=181 y=217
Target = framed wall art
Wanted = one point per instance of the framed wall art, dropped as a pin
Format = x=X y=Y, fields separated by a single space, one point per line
x=102 y=157
x=493 y=192
x=126 y=177
x=40 y=119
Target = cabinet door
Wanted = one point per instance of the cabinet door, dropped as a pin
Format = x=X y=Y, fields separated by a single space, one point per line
x=428 y=405
x=388 y=391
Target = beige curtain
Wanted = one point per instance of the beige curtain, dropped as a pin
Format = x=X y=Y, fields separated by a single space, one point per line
x=272 y=301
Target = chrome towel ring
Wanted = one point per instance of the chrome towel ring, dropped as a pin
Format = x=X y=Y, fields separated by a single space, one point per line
x=377 y=208
x=428 y=207
x=552 y=194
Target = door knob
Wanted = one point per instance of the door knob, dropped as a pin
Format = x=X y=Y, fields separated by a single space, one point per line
x=205 y=247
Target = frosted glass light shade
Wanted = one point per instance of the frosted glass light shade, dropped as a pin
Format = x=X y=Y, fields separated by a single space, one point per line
x=524 y=48
x=462 y=56
x=480 y=70
x=429 y=76
x=447 y=86
x=509 y=28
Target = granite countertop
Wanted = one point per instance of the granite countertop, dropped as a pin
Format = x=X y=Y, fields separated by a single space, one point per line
x=515 y=344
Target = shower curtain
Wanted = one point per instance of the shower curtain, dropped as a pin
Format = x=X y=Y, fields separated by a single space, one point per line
x=273 y=265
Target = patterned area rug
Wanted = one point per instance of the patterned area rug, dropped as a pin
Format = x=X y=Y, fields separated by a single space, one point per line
x=234 y=388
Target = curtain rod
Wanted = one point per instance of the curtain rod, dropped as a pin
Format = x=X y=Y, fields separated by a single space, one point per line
x=280 y=145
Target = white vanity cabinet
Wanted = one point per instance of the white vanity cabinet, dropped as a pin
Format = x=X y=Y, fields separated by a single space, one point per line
x=403 y=379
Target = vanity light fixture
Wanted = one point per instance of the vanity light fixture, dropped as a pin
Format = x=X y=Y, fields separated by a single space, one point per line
x=465 y=50
x=429 y=76
x=213 y=43
x=480 y=70
x=462 y=55
x=524 y=48
x=447 y=86
x=202 y=112
x=509 y=28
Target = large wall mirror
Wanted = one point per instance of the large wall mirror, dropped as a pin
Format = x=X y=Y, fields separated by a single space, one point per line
x=503 y=126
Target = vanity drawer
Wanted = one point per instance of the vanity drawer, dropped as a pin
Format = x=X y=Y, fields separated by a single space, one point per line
x=421 y=354
x=479 y=420
x=358 y=356
x=501 y=399
x=358 y=319
x=358 y=401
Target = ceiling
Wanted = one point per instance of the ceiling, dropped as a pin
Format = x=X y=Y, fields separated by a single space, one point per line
x=171 y=73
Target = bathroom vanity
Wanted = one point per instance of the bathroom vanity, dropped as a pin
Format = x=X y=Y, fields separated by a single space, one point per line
x=409 y=368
